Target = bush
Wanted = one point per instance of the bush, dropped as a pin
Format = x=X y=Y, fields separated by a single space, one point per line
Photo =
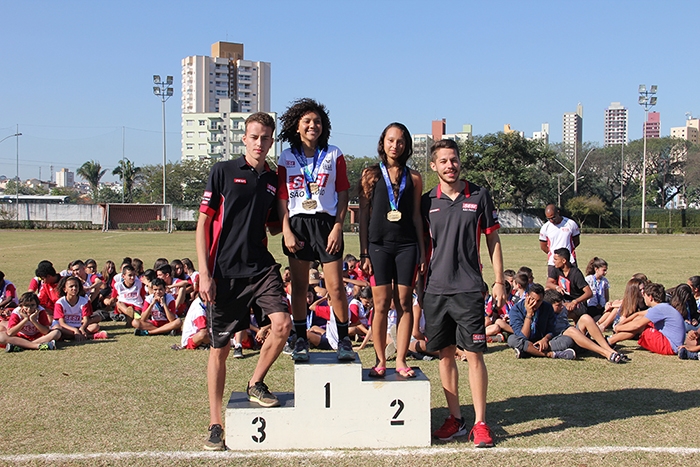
x=35 y=225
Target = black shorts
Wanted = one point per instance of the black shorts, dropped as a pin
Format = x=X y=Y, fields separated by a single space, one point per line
x=313 y=230
x=394 y=262
x=456 y=319
x=234 y=298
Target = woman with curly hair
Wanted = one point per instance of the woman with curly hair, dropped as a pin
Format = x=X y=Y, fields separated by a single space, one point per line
x=313 y=201
x=391 y=241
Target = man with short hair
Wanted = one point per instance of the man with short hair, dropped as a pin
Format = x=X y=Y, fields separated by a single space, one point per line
x=455 y=213
x=236 y=269
x=661 y=328
x=569 y=281
x=535 y=329
x=558 y=232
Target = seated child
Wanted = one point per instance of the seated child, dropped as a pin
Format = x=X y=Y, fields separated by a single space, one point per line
x=73 y=312
x=29 y=327
x=8 y=293
x=158 y=316
x=49 y=291
x=194 y=328
x=359 y=310
x=497 y=321
x=127 y=295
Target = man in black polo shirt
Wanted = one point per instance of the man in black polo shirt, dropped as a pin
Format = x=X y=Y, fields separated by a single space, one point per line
x=569 y=281
x=236 y=269
x=456 y=213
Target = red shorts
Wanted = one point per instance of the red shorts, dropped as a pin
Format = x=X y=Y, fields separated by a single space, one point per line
x=190 y=344
x=654 y=341
x=158 y=323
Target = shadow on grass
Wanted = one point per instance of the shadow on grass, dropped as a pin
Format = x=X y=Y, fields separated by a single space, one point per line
x=582 y=409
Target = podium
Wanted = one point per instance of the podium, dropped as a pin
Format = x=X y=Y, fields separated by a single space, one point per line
x=334 y=405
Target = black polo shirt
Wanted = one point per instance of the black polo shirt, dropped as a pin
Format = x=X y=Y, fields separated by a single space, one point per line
x=240 y=202
x=455 y=229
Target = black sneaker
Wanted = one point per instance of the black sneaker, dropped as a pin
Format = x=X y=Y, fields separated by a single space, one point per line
x=260 y=394
x=215 y=441
x=345 y=352
x=13 y=348
x=238 y=352
x=301 y=351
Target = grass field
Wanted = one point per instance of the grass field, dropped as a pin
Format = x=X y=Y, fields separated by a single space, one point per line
x=135 y=395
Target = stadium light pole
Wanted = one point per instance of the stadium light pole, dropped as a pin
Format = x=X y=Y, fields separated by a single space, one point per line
x=647 y=99
x=164 y=90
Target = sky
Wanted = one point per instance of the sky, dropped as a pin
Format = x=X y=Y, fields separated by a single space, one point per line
x=76 y=76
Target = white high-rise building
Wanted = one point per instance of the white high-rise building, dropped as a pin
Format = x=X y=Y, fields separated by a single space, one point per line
x=225 y=75
x=65 y=178
x=542 y=135
x=217 y=135
x=572 y=129
x=615 y=125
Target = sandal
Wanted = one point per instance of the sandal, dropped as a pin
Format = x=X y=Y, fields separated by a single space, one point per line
x=377 y=372
x=617 y=358
x=406 y=372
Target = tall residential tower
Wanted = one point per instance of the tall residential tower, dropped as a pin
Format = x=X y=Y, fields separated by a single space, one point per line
x=572 y=129
x=615 y=125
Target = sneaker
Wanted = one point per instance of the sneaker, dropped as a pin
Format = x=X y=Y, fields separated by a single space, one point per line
x=13 y=348
x=140 y=332
x=301 y=350
x=238 y=352
x=215 y=441
x=287 y=350
x=48 y=346
x=100 y=335
x=261 y=394
x=345 y=352
x=496 y=338
x=176 y=347
x=482 y=436
x=517 y=352
x=566 y=354
x=685 y=354
x=451 y=429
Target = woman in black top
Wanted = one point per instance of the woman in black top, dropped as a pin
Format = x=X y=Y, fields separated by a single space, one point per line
x=391 y=241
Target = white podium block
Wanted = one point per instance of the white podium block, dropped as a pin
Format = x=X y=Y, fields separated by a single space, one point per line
x=335 y=405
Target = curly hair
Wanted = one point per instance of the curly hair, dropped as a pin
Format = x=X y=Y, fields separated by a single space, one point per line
x=408 y=143
x=290 y=123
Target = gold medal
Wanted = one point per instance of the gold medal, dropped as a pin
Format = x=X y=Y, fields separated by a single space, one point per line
x=313 y=188
x=309 y=204
x=393 y=216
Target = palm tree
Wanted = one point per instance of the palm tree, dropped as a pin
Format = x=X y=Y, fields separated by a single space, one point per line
x=128 y=173
x=92 y=172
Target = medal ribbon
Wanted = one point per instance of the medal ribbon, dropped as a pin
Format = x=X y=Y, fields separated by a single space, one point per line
x=310 y=175
x=394 y=203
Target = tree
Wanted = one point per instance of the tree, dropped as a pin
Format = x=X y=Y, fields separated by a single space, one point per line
x=66 y=191
x=129 y=174
x=580 y=207
x=92 y=172
x=355 y=166
x=185 y=182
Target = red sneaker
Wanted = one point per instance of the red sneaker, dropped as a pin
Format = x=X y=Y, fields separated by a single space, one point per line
x=100 y=335
x=450 y=429
x=481 y=433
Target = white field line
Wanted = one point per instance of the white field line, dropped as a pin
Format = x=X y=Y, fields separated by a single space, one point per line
x=185 y=455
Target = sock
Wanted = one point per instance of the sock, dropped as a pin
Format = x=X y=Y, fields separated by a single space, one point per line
x=342 y=329
x=300 y=328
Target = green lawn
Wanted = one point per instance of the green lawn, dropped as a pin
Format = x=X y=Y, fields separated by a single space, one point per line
x=135 y=394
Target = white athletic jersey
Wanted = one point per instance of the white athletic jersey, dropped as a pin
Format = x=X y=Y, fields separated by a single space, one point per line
x=362 y=313
x=332 y=178
x=157 y=312
x=72 y=314
x=195 y=320
x=559 y=236
x=133 y=295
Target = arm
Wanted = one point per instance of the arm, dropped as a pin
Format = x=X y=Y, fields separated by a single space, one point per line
x=365 y=207
x=576 y=241
x=499 y=291
x=290 y=240
x=335 y=238
x=170 y=314
x=23 y=320
x=418 y=219
x=634 y=325
x=544 y=247
x=587 y=293
x=145 y=314
x=207 y=286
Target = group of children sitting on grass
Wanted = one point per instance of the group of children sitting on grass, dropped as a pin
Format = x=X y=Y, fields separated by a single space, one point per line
x=571 y=312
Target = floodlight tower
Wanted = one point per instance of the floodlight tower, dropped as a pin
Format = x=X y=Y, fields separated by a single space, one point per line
x=647 y=99
x=164 y=90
